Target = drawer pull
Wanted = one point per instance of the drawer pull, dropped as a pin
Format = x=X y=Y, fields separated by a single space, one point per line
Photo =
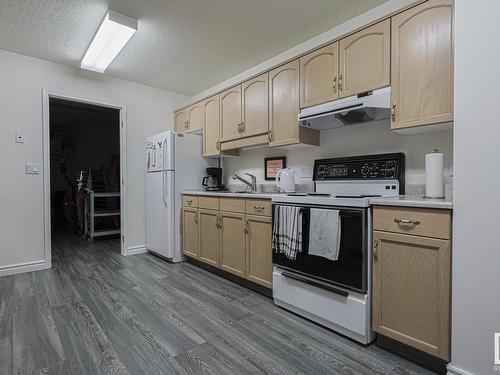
x=189 y=201
x=406 y=221
x=259 y=207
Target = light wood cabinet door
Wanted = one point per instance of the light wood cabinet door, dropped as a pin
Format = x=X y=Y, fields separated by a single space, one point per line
x=232 y=245
x=190 y=232
x=422 y=65
x=411 y=291
x=284 y=104
x=230 y=113
x=180 y=121
x=211 y=126
x=254 y=96
x=195 y=117
x=365 y=60
x=259 y=267
x=319 y=76
x=209 y=236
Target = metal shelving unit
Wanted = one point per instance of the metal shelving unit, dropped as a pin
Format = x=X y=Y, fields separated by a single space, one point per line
x=91 y=213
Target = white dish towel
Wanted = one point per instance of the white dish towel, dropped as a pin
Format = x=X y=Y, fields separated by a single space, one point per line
x=324 y=233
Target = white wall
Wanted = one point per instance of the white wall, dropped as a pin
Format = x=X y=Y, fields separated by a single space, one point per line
x=349 y=141
x=22 y=79
x=476 y=246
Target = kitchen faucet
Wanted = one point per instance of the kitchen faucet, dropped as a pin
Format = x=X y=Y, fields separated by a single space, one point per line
x=252 y=185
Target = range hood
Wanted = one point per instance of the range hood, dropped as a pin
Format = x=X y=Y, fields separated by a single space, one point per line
x=370 y=106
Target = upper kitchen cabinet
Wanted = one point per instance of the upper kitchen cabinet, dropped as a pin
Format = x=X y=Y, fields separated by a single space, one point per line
x=180 y=121
x=319 y=76
x=211 y=126
x=195 y=117
x=284 y=107
x=365 y=60
x=422 y=65
x=254 y=96
x=230 y=113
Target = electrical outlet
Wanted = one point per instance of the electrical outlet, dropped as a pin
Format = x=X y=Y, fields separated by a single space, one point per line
x=19 y=137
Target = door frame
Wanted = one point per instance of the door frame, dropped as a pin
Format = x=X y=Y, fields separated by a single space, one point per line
x=46 y=96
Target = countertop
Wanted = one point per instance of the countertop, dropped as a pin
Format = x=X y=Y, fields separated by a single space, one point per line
x=228 y=194
x=413 y=201
x=401 y=200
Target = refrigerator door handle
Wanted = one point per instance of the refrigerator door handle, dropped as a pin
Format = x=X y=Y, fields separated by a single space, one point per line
x=165 y=198
x=164 y=146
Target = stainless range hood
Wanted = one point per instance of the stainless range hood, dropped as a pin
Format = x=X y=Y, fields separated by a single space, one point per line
x=363 y=108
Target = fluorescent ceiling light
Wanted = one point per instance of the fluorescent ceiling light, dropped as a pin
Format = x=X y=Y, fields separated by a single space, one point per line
x=114 y=32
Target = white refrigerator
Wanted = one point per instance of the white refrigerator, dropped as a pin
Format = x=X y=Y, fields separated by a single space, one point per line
x=174 y=162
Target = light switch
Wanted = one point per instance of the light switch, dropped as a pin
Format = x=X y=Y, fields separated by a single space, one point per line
x=19 y=137
x=32 y=168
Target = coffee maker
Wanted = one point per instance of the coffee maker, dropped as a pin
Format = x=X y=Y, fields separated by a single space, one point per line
x=213 y=180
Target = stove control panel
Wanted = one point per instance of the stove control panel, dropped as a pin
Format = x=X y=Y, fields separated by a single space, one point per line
x=386 y=167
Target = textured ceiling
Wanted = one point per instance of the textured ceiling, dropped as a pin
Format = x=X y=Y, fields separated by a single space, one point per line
x=181 y=45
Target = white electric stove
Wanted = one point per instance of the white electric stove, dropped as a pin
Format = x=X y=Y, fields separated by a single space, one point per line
x=337 y=293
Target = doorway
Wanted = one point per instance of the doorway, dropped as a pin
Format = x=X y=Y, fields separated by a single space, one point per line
x=84 y=159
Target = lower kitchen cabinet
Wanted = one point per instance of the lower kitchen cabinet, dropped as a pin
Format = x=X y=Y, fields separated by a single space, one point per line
x=232 y=242
x=259 y=267
x=411 y=290
x=190 y=232
x=209 y=236
x=234 y=235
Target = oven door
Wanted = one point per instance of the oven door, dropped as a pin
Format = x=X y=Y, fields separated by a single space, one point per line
x=350 y=269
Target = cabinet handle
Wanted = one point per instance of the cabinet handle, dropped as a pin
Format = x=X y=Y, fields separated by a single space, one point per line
x=341 y=85
x=217 y=146
x=240 y=130
x=335 y=84
x=189 y=201
x=270 y=136
x=259 y=207
x=375 y=252
x=247 y=229
x=406 y=221
x=393 y=112
x=220 y=223
x=196 y=218
x=243 y=127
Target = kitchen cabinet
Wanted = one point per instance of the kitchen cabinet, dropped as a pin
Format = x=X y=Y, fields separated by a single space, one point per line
x=211 y=126
x=422 y=65
x=365 y=60
x=195 y=117
x=255 y=114
x=284 y=108
x=319 y=76
x=230 y=113
x=180 y=121
x=232 y=244
x=190 y=232
x=234 y=234
x=209 y=236
x=259 y=267
x=411 y=279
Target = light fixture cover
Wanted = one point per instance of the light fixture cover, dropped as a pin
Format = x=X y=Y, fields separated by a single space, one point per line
x=114 y=32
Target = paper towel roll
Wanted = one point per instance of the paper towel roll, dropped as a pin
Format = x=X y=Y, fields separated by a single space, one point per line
x=434 y=182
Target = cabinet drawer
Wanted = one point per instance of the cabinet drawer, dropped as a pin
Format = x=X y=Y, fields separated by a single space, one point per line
x=232 y=204
x=258 y=207
x=211 y=203
x=190 y=201
x=426 y=222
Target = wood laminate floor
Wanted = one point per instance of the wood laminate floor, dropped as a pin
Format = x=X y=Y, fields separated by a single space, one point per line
x=97 y=312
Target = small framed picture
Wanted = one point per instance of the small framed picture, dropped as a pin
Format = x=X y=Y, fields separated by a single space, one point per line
x=273 y=165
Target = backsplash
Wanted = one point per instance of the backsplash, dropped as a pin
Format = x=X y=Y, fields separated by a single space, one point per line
x=373 y=138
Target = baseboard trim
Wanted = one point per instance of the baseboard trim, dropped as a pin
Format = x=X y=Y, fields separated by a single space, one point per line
x=453 y=370
x=134 y=250
x=24 y=267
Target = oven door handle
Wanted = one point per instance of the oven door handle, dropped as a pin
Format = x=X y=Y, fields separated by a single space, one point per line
x=314 y=283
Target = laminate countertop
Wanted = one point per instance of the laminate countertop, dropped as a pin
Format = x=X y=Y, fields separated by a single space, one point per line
x=413 y=201
x=228 y=194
